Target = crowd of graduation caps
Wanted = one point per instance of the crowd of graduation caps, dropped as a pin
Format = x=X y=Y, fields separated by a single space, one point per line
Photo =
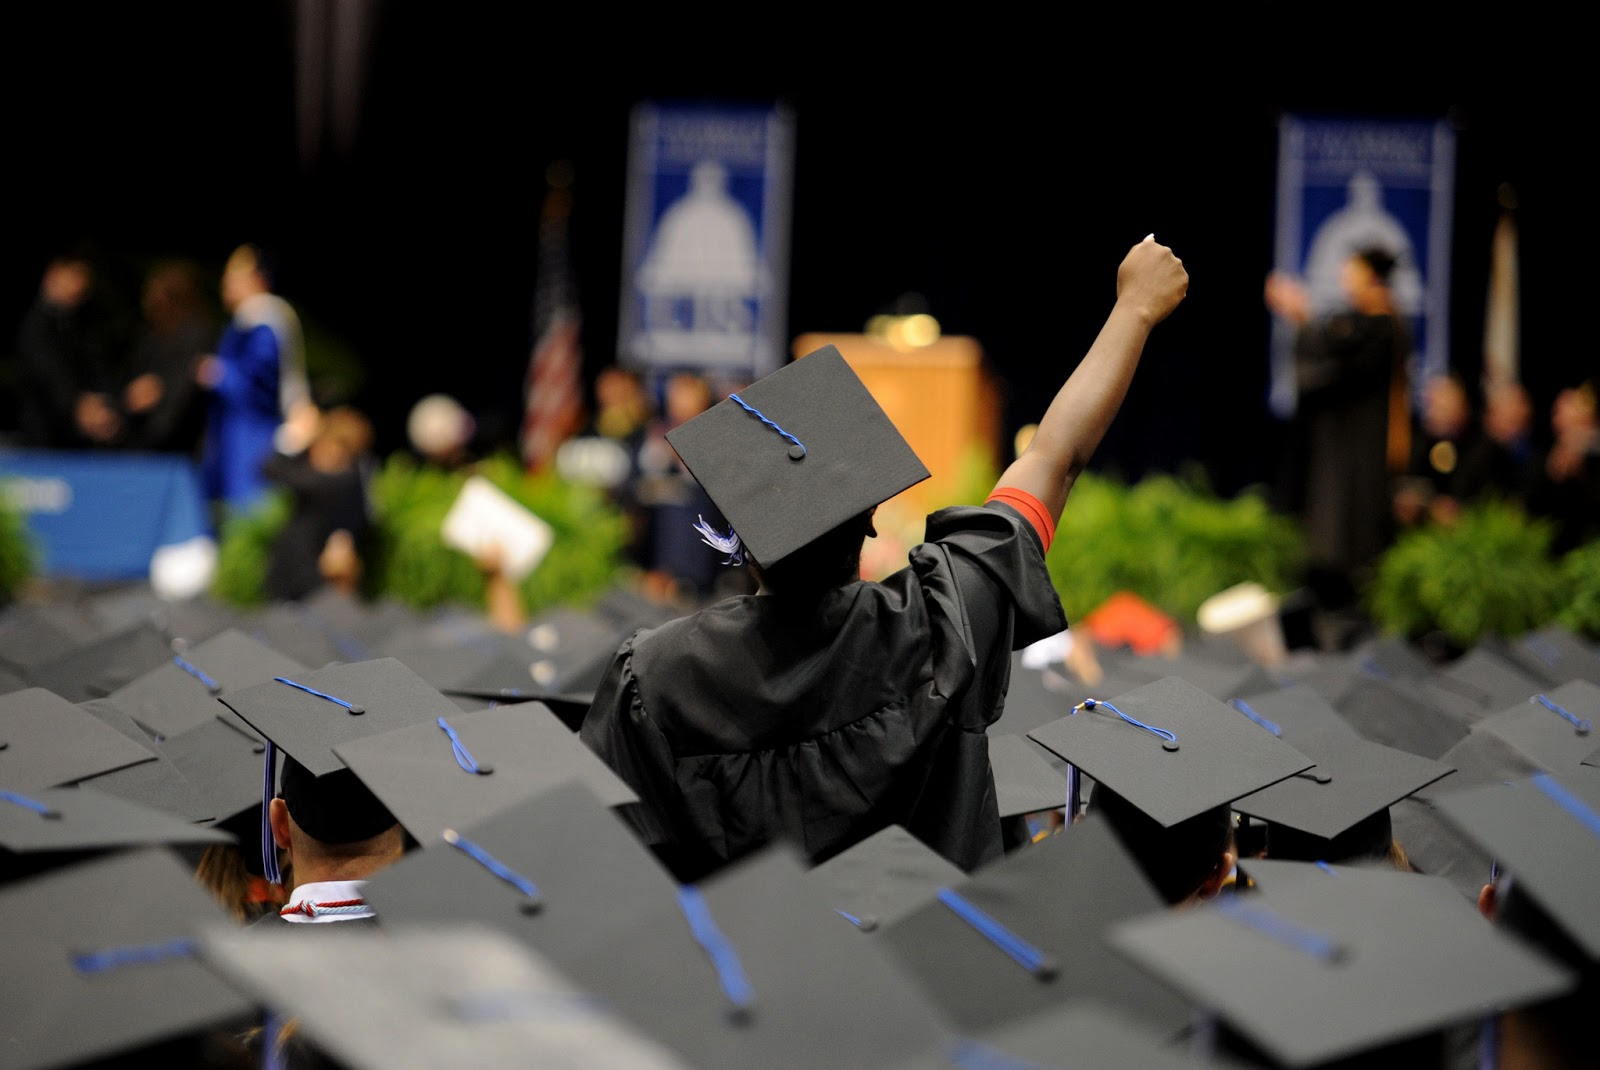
x=1294 y=878
x=1291 y=869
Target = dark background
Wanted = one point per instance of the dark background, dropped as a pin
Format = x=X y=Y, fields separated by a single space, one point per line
x=1000 y=173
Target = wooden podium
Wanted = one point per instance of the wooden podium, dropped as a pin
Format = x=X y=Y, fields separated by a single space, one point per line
x=940 y=398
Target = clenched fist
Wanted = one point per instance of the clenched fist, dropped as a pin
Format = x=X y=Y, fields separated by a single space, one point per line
x=1151 y=281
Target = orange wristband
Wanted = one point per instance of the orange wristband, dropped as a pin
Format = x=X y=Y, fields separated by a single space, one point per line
x=1031 y=508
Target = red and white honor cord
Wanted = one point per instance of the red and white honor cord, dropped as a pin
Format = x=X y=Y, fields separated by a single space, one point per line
x=336 y=906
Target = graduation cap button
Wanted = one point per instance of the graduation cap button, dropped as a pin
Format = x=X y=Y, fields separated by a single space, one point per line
x=1169 y=745
x=797 y=453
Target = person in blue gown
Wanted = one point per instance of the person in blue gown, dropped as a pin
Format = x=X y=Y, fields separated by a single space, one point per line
x=255 y=377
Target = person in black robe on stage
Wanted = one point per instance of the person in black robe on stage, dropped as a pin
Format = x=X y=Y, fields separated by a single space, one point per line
x=165 y=410
x=825 y=708
x=65 y=374
x=1352 y=420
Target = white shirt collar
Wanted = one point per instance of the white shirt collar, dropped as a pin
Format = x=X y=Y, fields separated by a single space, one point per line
x=321 y=893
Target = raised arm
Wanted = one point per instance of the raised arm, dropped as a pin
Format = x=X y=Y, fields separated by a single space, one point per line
x=1150 y=284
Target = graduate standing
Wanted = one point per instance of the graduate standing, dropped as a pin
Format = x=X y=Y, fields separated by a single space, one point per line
x=826 y=708
x=255 y=378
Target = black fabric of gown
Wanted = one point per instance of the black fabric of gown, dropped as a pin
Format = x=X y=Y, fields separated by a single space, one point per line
x=324 y=502
x=1343 y=366
x=761 y=718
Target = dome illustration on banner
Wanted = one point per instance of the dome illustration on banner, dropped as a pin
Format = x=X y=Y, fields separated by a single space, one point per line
x=1361 y=224
x=703 y=275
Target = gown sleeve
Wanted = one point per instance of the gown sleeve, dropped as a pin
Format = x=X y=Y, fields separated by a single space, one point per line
x=621 y=732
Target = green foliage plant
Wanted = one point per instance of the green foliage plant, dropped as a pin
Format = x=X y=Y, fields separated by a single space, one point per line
x=1170 y=541
x=1490 y=572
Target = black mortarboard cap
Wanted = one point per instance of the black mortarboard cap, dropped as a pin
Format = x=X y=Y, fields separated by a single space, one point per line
x=792 y=984
x=10 y=681
x=1434 y=846
x=1558 y=655
x=571 y=650
x=433 y=779
x=1544 y=831
x=1390 y=657
x=1024 y=782
x=46 y=741
x=1311 y=971
x=222 y=759
x=1086 y=1034
x=883 y=878
x=1293 y=712
x=1057 y=897
x=1487 y=680
x=67 y=820
x=193 y=620
x=99 y=962
x=563 y=651
x=1398 y=713
x=1553 y=729
x=159 y=784
x=356 y=622
x=1272 y=874
x=34 y=634
x=807 y=450
x=1215 y=754
x=283 y=627
x=344 y=703
x=1481 y=758
x=1338 y=808
x=589 y=878
x=99 y=667
x=424 y=998
x=309 y=715
x=1034 y=699
x=182 y=692
x=1218 y=678
x=631 y=610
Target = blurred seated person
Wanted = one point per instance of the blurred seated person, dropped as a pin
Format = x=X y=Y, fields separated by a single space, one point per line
x=622 y=408
x=165 y=412
x=1508 y=426
x=673 y=501
x=1451 y=461
x=1568 y=488
x=440 y=431
x=64 y=379
x=320 y=466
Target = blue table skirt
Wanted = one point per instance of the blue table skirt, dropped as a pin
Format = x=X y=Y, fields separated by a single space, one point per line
x=100 y=516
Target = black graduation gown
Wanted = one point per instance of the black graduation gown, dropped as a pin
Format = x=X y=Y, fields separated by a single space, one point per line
x=1343 y=366
x=758 y=719
x=324 y=502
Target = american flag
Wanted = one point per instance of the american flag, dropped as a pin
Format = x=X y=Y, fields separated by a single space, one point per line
x=553 y=400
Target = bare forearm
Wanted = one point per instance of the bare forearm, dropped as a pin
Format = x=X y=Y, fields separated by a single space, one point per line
x=1082 y=411
x=503 y=604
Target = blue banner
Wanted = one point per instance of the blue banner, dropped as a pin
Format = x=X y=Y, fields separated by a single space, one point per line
x=706 y=257
x=103 y=516
x=1350 y=184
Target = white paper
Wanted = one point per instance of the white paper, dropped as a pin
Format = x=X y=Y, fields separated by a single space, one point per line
x=485 y=518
